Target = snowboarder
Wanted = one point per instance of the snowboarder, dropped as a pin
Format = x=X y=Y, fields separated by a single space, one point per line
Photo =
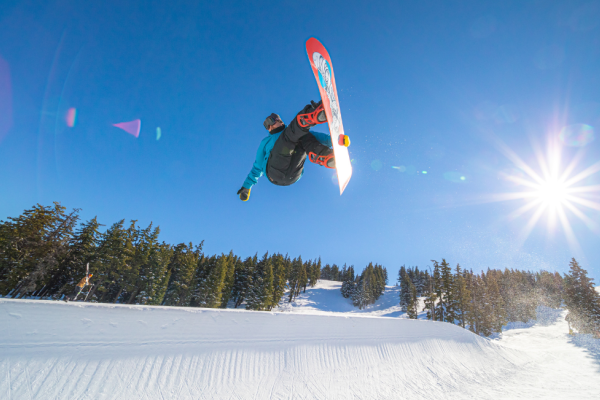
x=80 y=286
x=282 y=154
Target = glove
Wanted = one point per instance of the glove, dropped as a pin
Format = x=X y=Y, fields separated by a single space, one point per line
x=311 y=107
x=244 y=194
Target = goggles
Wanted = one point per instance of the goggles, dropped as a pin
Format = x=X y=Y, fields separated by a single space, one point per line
x=271 y=120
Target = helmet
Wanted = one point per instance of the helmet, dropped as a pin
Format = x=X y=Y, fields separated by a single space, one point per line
x=271 y=120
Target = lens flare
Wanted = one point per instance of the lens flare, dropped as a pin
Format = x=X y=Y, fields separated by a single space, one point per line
x=158 y=133
x=577 y=135
x=131 y=127
x=6 y=108
x=454 y=176
x=551 y=189
x=376 y=165
x=71 y=117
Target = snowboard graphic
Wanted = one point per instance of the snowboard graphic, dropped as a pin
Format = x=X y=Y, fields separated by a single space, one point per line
x=321 y=66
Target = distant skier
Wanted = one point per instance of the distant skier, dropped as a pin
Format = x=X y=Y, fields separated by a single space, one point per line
x=80 y=286
x=282 y=154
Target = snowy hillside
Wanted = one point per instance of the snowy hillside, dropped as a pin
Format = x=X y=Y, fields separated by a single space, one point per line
x=317 y=348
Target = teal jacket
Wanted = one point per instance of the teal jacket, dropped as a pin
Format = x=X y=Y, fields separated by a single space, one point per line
x=264 y=151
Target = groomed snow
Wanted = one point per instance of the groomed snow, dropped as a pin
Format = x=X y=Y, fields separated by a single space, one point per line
x=317 y=348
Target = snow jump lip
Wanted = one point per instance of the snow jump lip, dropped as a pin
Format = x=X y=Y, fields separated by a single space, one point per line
x=75 y=350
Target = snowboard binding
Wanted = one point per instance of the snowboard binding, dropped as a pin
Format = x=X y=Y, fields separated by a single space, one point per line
x=318 y=116
x=326 y=161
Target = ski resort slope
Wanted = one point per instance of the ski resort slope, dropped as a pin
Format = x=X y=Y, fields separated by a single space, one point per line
x=57 y=350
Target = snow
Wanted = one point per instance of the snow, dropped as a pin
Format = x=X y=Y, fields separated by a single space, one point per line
x=319 y=347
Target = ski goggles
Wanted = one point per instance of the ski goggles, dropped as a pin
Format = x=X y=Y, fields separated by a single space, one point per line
x=271 y=120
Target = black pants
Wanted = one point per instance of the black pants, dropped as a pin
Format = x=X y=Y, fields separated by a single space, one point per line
x=288 y=155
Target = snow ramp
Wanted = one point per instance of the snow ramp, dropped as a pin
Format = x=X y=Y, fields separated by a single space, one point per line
x=56 y=350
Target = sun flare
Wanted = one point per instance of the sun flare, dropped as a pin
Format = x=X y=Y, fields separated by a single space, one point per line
x=551 y=189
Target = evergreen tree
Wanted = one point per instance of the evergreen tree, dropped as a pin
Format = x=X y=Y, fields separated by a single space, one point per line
x=227 y=291
x=498 y=312
x=294 y=278
x=210 y=279
x=348 y=283
x=315 y=272
x=326 y=272
x=182 y=269
x=582 y=300
x=431 y=297
x=405 y=292
x=413 y=301
x=335 y=273
x=281 y=265
x=243 y=280
x=112 y=266
x=32 y=247
x=82 y=249
x=446 y=295
x=462 y=297
x=154 y=290
x=302 y=279
x=260 y=296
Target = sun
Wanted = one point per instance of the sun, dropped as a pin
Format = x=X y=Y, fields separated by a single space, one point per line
x=551 y=188
x=553 y=192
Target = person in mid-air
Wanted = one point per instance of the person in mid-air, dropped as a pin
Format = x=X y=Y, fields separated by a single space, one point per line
x=282 y=154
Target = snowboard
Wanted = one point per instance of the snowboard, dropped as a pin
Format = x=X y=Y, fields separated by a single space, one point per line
x=321 y=66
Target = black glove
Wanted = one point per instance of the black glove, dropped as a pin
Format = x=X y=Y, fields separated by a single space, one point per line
x=311 y=107
x=244 y=194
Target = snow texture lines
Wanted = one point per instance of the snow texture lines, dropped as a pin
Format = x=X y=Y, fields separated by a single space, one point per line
x=231 y=354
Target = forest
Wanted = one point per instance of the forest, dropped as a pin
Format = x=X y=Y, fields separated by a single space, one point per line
x=47 y=253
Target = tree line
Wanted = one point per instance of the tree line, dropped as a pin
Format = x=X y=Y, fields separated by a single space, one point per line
x=485 y=302
x=45 y=250
x=44 y=253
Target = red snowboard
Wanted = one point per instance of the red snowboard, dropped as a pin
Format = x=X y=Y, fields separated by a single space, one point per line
x=321 y=66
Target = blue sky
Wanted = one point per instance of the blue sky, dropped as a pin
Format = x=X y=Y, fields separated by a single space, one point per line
x=438 y=86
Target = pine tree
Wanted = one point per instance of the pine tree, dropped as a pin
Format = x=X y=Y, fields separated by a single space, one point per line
x=260 y=296
x=210 y=279
x=302 y=279
x=498 y=314
x=582 y=300
x=112 y=265
x=82 y=250
x=229 y=279
x=315 y=272
x=405 y=292
x=32 y=247
x=182 y=269
x=348 y=283
x=335 y=273
x=413 y=301
x=447 y=299
x=326 y=272
x=294 y=278
x=154 y=291
x=281 y=265
x=462 y=297
x=431 y=298
x=243 y=280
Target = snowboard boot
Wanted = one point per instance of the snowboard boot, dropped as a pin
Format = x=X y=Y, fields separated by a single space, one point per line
x=314 y=114
x=328 y=161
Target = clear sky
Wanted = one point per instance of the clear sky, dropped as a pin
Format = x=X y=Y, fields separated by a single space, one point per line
x=456 y=95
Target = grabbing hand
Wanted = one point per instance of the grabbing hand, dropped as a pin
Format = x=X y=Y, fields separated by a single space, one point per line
x=244 y=194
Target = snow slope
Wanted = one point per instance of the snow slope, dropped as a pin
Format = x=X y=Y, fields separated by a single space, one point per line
x=311 y=350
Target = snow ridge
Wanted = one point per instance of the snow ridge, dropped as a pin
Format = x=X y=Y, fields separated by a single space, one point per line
x=92 y=351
